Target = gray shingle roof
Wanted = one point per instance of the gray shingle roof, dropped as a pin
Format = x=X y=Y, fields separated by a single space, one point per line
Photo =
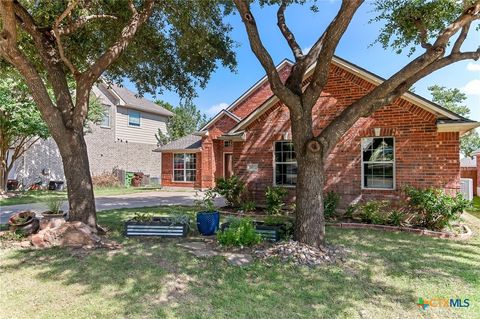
x=139 y=103
x=188 y=143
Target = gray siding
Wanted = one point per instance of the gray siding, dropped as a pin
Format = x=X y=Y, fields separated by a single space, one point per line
x=145 y=133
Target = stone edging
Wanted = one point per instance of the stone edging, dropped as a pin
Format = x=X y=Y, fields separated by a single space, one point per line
x=465 y=235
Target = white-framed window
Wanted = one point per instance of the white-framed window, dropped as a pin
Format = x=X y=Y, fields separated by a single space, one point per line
x=134 y=118
x=184 y=167
x=227 y=143
x=378 y=163
x=285 y=166
x=106 y=116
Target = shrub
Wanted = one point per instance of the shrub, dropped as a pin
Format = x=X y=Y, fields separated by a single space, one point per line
x=330 y=204
x=396 y=218
x=54 y=204
x=372 y=212
x=241 y=232
x=275 y=199
x=207 y=202
x=351 y=210
x=231 y=189
x=436 y=210
x=248 y=206
x=106 y=180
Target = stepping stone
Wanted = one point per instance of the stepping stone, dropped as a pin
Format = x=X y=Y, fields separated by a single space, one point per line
x=194 y=245
x=238 y=259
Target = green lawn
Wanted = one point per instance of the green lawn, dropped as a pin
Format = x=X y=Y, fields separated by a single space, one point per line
x=28 y=197
x=383 y=278
x=475 y=210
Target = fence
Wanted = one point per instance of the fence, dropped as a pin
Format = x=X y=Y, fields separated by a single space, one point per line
x=466 y=188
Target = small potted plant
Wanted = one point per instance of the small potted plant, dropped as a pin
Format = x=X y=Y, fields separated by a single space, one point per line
x=25 y=222
x=146 y=224
x=54 y=206
x=208 y=219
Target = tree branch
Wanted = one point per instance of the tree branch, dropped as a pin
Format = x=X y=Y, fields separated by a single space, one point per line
x=58 y=39
x=287 y=34
x=88 y=78
x=326 y=46
x=461 y=38
x=423 y=34
x=80 y=22
x=11 y=53
x=386 y=93
x=279 y=89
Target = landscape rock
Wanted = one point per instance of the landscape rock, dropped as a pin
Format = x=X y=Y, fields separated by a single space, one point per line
x=51 y=222
x=68 y=234
x=238 y=259
x=302 y=254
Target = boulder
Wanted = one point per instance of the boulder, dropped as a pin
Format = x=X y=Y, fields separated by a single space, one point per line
x=46 y=222
x=66 y=234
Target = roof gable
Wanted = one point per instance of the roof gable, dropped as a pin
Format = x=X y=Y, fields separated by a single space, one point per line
x=369 y=77
x=218 y=116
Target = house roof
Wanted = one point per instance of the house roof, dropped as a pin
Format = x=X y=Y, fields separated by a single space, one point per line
x=451 y=122
x=131 y=100
x=468 y=162
x=192 y=143
x=218 y=116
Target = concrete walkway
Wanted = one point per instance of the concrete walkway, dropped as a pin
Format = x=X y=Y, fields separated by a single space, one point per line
x=147 y=199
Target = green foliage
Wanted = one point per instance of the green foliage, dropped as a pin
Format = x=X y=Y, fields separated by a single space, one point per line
x=396 y=218
x=330 y=204
x=351 y=210
x=207 y=202
x=402 y=20
x=248 y=206
x=436 y=210
x=186 y=120
x=372 y=212
x=275 y=197
x=453 y=100
x=240 y=232
x=231 y=189
x=142 y=217
x=54 y=204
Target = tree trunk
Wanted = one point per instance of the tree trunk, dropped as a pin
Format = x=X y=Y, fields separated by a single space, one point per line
x=310 y=220
x=73 y=150
x=3 y=179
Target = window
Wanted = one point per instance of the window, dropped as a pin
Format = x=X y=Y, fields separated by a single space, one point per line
x=227 y=143
x=106 y=116
x=133 y=118
x=378 y=162
x=184 y=167
x=285 y=164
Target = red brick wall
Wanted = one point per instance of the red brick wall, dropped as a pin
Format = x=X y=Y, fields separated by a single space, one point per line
x=257 y=97
x=167 y=172
x=424 y=157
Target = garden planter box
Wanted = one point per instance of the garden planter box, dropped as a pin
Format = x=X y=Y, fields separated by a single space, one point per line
x=159 y=226
x=269 y=232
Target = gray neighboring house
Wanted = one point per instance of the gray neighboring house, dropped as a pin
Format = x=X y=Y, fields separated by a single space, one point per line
x=124 y=140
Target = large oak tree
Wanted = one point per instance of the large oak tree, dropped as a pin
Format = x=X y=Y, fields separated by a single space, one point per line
x=174 y=44
x=437 y=28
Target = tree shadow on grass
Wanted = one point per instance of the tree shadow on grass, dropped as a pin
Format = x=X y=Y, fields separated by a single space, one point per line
x=156 y=278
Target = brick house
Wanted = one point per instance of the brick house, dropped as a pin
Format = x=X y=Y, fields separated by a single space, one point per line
x=124 y=140
x=409 y=142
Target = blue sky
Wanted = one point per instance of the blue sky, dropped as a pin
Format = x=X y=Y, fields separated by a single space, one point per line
x=224 y=86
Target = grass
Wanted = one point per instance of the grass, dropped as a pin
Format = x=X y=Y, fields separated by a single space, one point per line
x=475 y=209
x=29 y=197
x=384 y=276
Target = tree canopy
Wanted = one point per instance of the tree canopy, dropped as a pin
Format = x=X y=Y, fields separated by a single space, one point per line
x=454 y=99
x=186 y=120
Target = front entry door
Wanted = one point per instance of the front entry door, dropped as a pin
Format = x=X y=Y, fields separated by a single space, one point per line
x=228 y=169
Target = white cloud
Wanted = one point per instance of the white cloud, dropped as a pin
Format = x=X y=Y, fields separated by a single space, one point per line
x=473 y=67
x=472 y=87
x=214 y=109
